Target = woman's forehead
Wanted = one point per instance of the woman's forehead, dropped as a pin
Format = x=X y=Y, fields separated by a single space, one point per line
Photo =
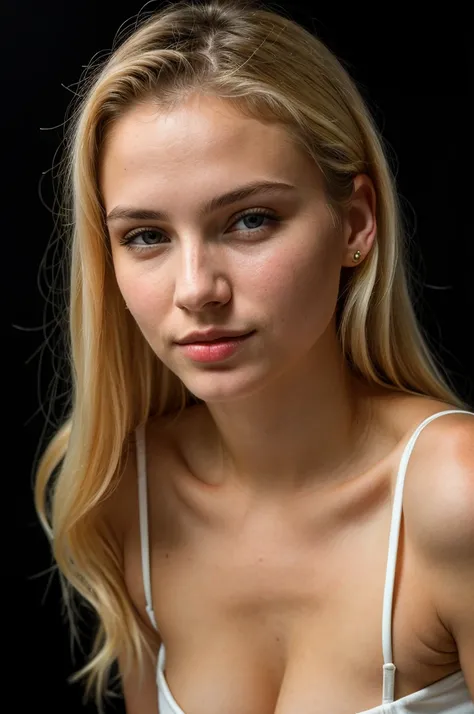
x=194 y=143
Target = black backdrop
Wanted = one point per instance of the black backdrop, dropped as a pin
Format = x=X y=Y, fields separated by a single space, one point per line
x=414 y=67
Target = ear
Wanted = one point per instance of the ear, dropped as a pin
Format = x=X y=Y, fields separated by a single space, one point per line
x=359 y=221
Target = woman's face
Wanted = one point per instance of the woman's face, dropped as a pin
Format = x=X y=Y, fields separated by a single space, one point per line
x=274 y=270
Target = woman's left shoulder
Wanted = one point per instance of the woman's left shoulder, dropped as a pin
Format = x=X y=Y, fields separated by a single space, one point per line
x=438 y=508
x=439 y=483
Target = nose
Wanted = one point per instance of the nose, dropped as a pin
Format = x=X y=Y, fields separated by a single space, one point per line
x=200 y=277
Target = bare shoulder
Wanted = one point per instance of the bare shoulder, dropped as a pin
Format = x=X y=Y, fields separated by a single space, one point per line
x=438 y=507
x=439 y=481
x=438 y=498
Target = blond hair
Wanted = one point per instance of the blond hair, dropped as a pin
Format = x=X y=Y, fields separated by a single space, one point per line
x=270 y=68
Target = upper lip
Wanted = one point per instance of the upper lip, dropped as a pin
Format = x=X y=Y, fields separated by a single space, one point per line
x=209 y=335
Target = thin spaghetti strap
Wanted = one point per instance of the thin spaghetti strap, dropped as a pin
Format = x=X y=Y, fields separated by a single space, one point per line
x=143 y=514
x=388 y=667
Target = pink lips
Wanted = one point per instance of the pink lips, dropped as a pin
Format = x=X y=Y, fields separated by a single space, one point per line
x=214 y=351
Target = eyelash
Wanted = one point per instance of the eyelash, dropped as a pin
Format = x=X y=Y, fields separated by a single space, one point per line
x=127 y=240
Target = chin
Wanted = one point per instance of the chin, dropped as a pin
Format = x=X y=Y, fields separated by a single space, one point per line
x=218 y=386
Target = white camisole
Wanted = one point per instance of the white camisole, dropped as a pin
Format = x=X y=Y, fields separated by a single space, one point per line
x=449 y=695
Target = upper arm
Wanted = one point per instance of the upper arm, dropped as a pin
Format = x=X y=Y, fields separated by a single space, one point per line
x=445 y=532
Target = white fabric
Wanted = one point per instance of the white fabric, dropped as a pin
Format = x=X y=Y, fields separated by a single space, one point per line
x=449 y=695
x=143 y=510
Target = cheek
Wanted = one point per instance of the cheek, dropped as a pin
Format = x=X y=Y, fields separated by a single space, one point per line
x=291 y=288
x=301 y=286
x=143 y=292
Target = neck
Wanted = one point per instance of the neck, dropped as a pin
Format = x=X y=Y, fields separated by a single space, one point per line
x=306 y=428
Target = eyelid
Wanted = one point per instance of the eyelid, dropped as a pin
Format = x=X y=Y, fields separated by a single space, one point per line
x=239 y=214
x=267 y=212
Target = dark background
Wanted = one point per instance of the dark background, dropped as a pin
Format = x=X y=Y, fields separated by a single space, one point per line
x=415 y=69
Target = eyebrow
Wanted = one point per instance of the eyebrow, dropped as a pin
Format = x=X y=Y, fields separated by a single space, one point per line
x=237 y=194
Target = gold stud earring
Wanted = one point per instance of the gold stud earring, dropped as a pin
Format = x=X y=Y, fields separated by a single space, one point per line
x=357 y=255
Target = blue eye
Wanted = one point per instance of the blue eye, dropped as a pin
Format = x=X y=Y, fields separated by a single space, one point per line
x=146 y=234
x=143 y=233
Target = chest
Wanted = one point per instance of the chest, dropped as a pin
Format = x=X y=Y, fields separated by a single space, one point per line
x=277 y=612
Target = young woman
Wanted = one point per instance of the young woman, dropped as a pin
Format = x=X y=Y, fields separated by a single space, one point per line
x=254 y=404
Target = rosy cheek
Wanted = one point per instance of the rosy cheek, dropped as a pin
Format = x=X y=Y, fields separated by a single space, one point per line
x=302 y=288
x=285 y=274
x=142 y=290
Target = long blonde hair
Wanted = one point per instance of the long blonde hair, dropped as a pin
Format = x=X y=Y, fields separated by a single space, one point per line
x=270 y=68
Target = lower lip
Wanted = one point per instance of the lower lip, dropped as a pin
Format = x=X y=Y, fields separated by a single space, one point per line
x=214 y=351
